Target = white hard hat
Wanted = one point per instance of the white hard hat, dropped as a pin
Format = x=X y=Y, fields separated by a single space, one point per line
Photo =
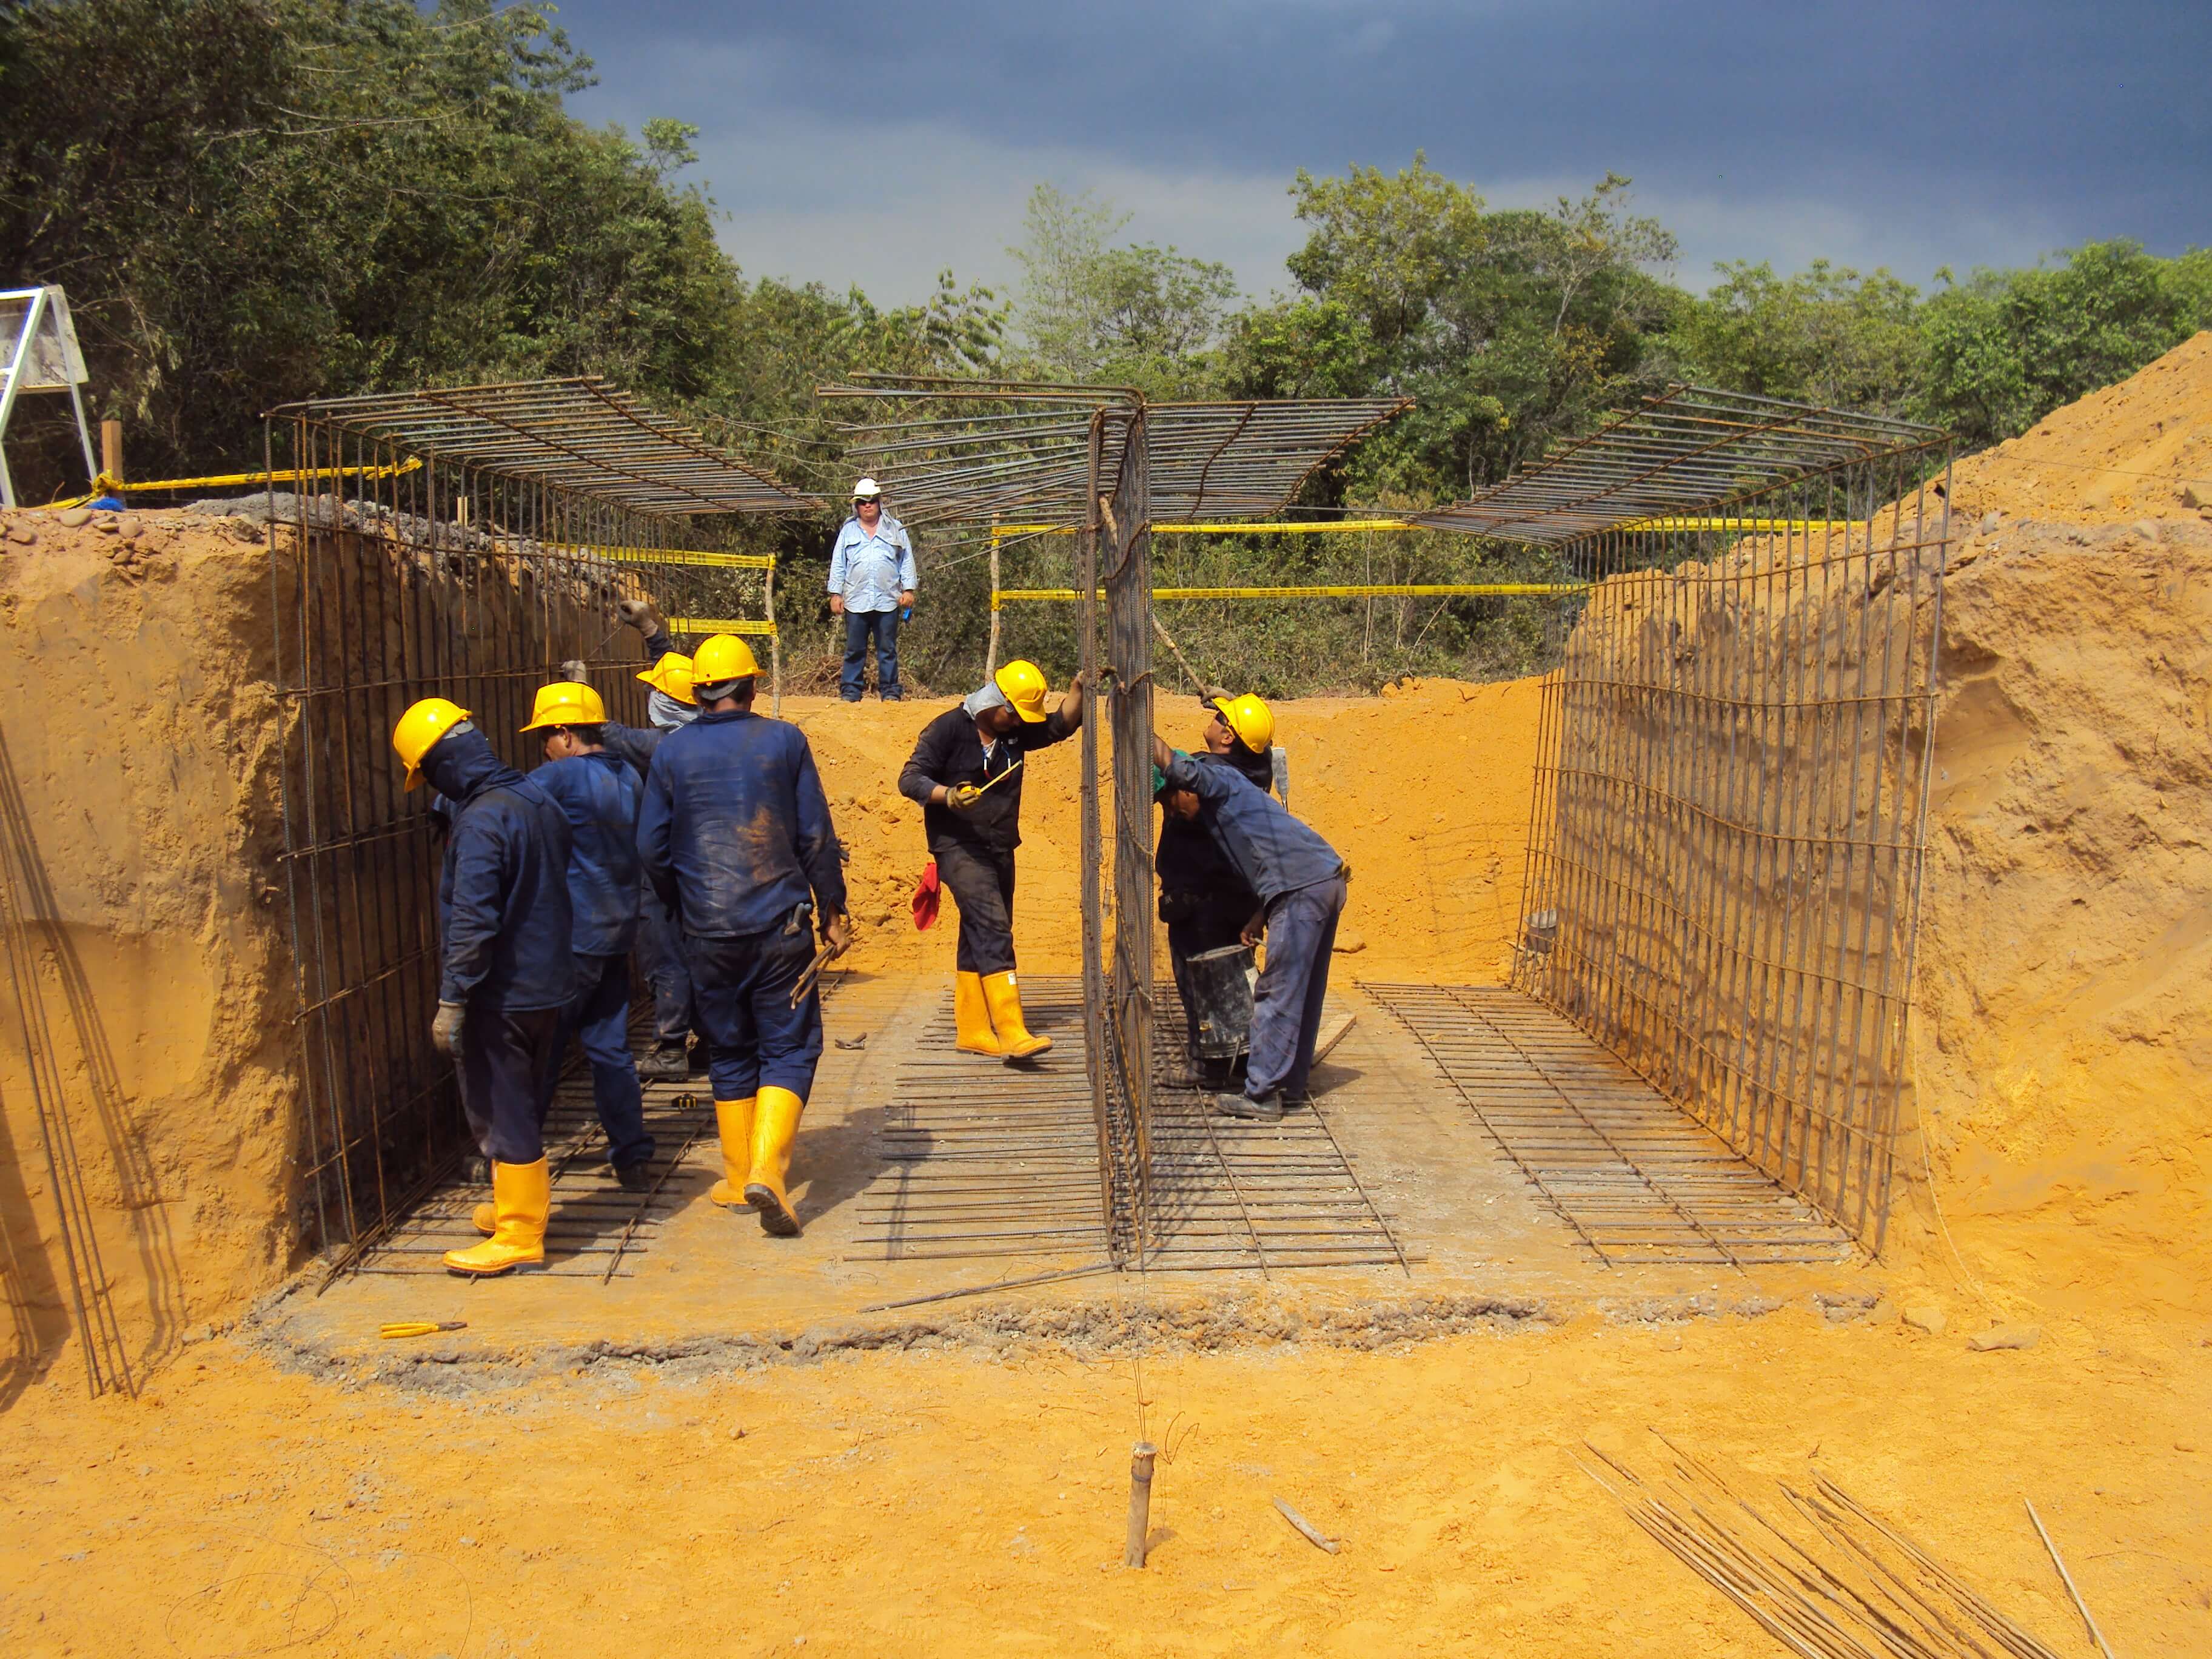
x=866 y=489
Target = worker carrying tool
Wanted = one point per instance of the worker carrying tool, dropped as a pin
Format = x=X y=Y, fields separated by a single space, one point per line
x=598 y=793
x=669 y=705
x=872 y=581
x=506 y=977
x=736 y=839
x=1204 y=900
x=1302 y=885
x=966 y=772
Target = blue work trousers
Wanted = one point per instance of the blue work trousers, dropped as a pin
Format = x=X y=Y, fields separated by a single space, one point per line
x=508 y=1064
x=1286 y=1002
x=600 y=1018
x=755 y=1037
x=859 y=627
x=660 y=953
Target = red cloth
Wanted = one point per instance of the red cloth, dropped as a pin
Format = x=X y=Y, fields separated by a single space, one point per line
x=925 y=897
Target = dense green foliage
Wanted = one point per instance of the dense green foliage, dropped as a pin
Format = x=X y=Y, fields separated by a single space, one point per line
x=252 y=201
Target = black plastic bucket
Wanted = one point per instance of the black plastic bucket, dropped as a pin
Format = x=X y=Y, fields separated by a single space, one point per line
x=1221 y=991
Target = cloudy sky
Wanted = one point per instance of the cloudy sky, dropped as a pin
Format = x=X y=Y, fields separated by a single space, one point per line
x=875 y=144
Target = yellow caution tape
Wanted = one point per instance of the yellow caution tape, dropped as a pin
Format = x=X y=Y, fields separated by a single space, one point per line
x=674 y=555
x=1755 y=526
x=720 y=625
x=1364 y=591
x=106 y=483
x=1281 y=527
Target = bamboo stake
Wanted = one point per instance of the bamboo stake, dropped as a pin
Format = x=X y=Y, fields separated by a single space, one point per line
x=1141 y=1503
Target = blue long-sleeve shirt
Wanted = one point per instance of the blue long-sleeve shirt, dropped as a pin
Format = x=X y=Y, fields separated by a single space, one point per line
x=599 y=796
x=504 y=921
x=870 y=571
x=735 y=830
x=635 y=743
x=1273 y=851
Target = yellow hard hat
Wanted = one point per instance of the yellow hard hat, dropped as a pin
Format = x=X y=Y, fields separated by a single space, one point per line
x=722 y=658
x=419 y=730
x=1024 y=685
x=567 y=703
x=1252 y=720
x=671 y=676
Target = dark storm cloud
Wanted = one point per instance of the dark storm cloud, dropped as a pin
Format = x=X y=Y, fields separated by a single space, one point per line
x=874 y=142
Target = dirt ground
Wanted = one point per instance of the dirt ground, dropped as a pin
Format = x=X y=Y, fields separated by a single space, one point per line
x=958 y=1476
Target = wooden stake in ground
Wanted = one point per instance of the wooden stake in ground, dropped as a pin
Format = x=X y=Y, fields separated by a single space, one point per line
x=111 y=449
x=1141 y=1503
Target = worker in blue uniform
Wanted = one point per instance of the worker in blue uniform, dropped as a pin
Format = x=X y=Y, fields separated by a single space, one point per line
x=599 y=792
x=736 y=836
x=1301 y=885
x=506 y=974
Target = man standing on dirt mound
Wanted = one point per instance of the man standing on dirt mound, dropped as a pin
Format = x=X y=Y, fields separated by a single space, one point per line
x=598 y=792
x=1303 y=885
x=872 y=581
x=507 y=976
x=966 y=771
x=735 y=833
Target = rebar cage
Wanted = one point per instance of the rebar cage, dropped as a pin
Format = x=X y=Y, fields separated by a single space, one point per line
x=1725 y=845
x=402 y=569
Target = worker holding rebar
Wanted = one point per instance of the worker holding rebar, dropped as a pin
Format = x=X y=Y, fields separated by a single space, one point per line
x=1302 y=885
x=872 y=581
x=507 y=976
x=966 y=772
x=1204 y=899
x=669 y=705
x=599 y=792
x=736 y=839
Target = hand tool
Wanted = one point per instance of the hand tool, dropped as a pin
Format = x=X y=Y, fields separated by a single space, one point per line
x=422 y=1326
x=813 y=972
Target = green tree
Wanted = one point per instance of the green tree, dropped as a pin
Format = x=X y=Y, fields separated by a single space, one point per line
x=2004 y=349
x=1826 y=336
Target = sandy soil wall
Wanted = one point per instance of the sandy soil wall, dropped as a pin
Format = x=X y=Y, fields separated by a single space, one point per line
x=141 y=731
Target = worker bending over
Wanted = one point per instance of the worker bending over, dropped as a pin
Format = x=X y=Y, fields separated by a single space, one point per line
x=507 y=975
x=669 y=704
x=735 y=834
x=966 y=772
x=1301 y=885
x=598 y=794
x=1204 y=901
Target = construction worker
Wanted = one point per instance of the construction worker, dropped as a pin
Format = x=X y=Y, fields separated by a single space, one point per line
x=669 y=705
x=872 y=579
x=736 y=836
x=966 y=772
x=1302 y=885
x=597 y=791
x=1203 y=900
x=506 y=974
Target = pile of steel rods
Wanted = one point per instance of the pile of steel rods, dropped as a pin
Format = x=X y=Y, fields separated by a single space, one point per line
x=1855 y=1586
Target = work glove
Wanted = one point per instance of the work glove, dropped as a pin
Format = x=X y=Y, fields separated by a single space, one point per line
x=577 y=670
x=445 y=1029
x=638 y=614
x=963 y=797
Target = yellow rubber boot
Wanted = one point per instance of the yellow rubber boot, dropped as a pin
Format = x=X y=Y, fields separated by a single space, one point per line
x=1016 y=1041
x=776 y=1125
x=971 y=1017
x=734 y=1118
x=521 y=1199
x=485 y=1218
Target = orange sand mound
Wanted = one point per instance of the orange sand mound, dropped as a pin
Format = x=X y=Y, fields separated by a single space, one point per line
x=2140 y=449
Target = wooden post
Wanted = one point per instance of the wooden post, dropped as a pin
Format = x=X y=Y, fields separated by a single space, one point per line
x=111 y=449
x=991 y=655
x=774 y=646
x=1141 y=1503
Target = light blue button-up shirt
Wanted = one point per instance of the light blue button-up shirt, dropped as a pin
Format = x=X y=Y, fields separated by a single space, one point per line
x=871 y=571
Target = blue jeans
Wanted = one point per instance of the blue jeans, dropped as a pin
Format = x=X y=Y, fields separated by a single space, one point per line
x=600 y=1017
x=508 y=1064
x=1286 y=1002
x=753 y=1036
x=660 y=953
x=884 y=626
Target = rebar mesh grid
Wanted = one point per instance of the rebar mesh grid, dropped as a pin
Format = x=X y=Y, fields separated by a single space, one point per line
x=1726 y=842
x=969 y=450
x=415 y=575
x=1636 y=1180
